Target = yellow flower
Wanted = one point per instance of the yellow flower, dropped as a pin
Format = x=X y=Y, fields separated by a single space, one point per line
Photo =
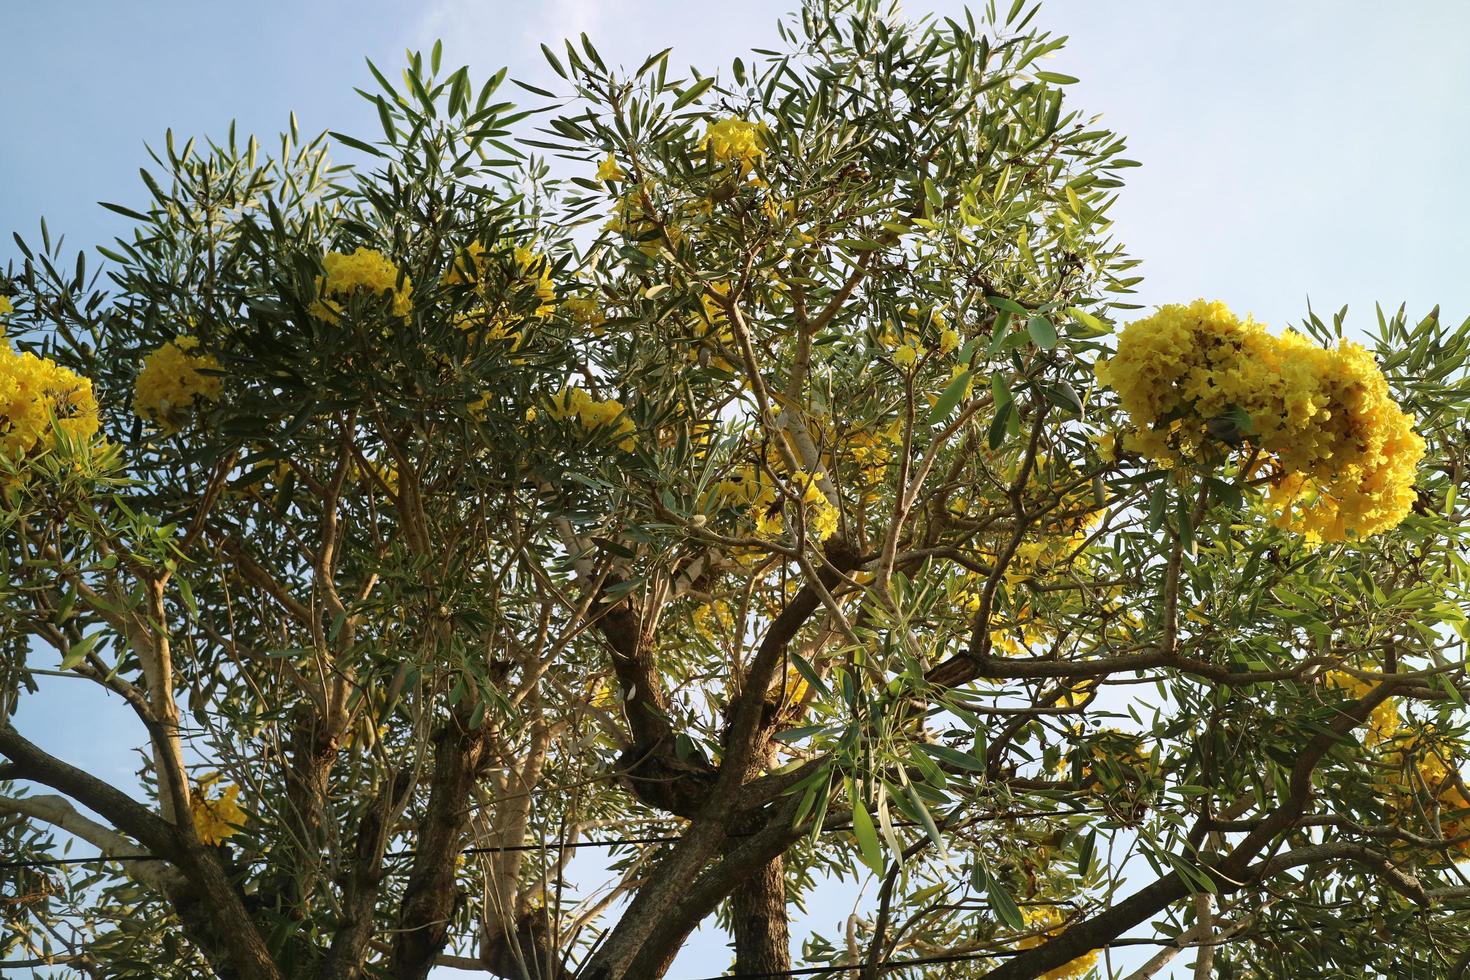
x=713 y=619
x=1050 y=920
x=5 y=305
x=219 y=818
x=608 y=169
x=37 y=394
x=735 y=141
x=585 y=311
x=533 y=272
x=1343 y=455
x=530 y=277
x=821 y=516
x=949 y=340
x=365 y=269
x=743 y=488
x=489 y=325
x=1383 y=722
x=593 y=415
x=173 y=383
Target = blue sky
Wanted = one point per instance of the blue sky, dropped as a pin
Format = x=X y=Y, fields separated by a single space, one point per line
x=1292 y=150
x=1310 y=148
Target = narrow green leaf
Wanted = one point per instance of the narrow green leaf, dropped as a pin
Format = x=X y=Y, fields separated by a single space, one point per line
x=356 y=144
x=1086 y=852
x=1001 y=902
x=949 y=397
x=693 y=92
x=998 y=425
x=1009 y=305
x=79 y=650
x=953 y=757
x=555 y=65
x=866 y=834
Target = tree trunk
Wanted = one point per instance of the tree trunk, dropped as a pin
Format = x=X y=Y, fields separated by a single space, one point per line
x=431 y=893
x=758 y=918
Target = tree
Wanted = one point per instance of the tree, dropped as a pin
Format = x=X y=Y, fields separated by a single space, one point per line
x=765 y=471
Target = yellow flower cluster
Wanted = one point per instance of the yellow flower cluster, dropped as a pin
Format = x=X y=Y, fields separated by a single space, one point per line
x=37 y=394
x=1384 y=722
x=173 y=383
x=1342 y=453
x=737 y=142
x=748 y=489
x=505 y=296
x=712 y=328
x=594 y=415
x=1423 y=777
x=920 y=330
x=5 y=305
x=585 y=311
x=218 y=818
x=1049 y=919
x=821 y=515
x=637 y=220
x=365 y=269
x=532 y=274
x=713 y=619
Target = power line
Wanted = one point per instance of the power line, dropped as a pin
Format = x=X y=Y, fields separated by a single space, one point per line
x=883 y=967
x=392 y=855
x=507 y=849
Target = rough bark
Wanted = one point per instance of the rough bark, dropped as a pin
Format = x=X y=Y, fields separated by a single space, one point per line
x=759 y=921
x=347 y=954
x=683 y=888
x=527 y=953
x=758 y=916
x=650 y=768
x=431 y=892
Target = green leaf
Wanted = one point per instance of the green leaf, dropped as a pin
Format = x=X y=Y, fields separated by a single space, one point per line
x=1008 y=305
x=1043 y=334
x=797 y=734
x=1064 y=396
x=931 y=829
x=555 y=64
x=1156 y=502
x=998 y=425
x=125 y=212
x=356 y=144
x=652 y=60
x=1000 y=390
x=866 y=834
x=79 y=650
x=1086 y=852
x=1057 y=78
x=693 y=92
x=806 y=670
x=953 y=757
x=949 y=397
x=1094 y=326
x=1001 y=902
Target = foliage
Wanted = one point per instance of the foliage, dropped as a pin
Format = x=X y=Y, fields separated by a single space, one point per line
x=741 y=461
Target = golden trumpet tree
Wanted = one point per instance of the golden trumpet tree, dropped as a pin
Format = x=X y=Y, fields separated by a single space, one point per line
x=760 y=475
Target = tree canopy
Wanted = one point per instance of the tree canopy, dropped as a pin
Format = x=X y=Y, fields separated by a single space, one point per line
x=745 y=480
